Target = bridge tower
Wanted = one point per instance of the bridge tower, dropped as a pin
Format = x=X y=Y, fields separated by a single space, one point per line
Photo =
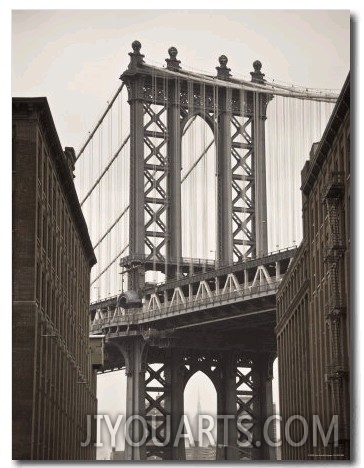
x=160 y=361
x=162 y=101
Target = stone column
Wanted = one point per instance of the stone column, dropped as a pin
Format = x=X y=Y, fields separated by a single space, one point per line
x=262 y=379
x=174 y=400
x=227 y=434
x=134 y=351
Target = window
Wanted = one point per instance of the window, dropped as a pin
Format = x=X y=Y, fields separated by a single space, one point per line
x=54 y=197
x=49 y=299
x=13 y=149
x=58 y=247
x=39 y=220
x=39 y=159
x=348 y=155
x=44 y=176
x=44 y=233
x=49 y=245
x=324 y=211
x=57 y=208
x=318 y=211
x=54 y=250
x=49 y=182
x=336 y=165
x=39 y=282
x=43 y=291
x=316 y=216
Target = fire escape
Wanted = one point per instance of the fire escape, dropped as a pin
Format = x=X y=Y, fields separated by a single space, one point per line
x=336 y=372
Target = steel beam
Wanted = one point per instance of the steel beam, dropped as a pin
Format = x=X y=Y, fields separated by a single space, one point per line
x=136 y=212
x=224 y=251
x=174 y=223
x=261 y=235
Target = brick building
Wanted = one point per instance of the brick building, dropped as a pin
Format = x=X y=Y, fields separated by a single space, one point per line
x=54 y=380
x=313 y=301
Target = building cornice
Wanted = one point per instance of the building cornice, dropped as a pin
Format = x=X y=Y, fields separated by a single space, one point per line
x=313 y=167
x=38 y=108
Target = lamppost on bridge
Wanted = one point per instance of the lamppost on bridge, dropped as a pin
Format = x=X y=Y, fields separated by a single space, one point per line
x=214 y=252
x=123 y=272
x=122 y=279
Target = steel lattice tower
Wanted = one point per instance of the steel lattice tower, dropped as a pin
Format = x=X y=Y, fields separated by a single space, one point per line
x=219 y=321
x=155 y=162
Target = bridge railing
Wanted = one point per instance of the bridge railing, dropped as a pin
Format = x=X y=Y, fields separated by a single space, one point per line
x=144 y=258
x=192 y=303
x=224 y=269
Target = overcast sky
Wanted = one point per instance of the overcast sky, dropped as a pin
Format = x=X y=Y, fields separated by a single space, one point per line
x=75 y=58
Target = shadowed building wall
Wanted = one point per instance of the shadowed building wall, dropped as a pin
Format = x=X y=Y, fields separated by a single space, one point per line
x=54 y=382
x=313 y=301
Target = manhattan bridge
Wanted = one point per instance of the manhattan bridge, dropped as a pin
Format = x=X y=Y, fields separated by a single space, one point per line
x=180 y=182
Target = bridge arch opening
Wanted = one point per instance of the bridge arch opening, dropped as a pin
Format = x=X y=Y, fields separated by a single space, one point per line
x=111 y=391
x=200 y=398
x=198 y=190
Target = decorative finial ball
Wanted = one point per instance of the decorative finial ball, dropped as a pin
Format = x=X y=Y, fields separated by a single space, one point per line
x=172 y=52
x=136 y=45
x=223 y=60
x=257 y=66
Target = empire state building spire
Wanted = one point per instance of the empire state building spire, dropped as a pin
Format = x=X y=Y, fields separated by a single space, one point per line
x=198 y=442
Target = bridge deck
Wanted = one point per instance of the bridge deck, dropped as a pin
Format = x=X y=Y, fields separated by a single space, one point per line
x=217 y=301
x=228 y=307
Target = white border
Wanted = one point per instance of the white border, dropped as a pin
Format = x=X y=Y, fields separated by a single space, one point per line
x=5 y=185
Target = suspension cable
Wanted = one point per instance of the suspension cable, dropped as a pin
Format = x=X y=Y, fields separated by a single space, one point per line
x=267 y=88
x=197 y=161
x=243 y=86
x=109 y=265
x=100 y=121
x=106 y=169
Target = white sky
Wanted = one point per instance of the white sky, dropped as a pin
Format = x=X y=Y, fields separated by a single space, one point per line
x=74 y=58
